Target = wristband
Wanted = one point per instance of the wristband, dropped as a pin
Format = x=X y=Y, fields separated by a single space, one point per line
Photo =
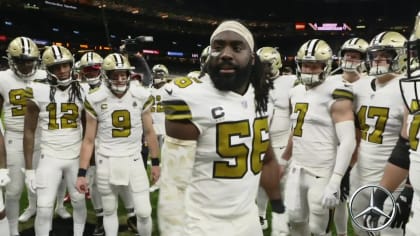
x=81 y=172
x=155 y=161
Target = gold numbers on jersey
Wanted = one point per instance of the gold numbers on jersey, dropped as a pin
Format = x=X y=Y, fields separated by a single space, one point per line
x=121 y=122
x=184 y=82
x=381 y=114
x=18 y=100
x=69 y=118
x=157 y=104
x=412 y=133
x=414 y=127
x=238 y=152
x=301 y=109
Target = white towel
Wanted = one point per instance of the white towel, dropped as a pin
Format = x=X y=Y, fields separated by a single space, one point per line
x=119 y=170
x=293 y=198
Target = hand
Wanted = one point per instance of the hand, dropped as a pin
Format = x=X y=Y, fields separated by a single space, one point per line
x=155 y=173
x=371 y=219
x=345 y=186
x=82 y=184
x=403 y=208
x=4 y=177
x=331 y=196
x=30 y=180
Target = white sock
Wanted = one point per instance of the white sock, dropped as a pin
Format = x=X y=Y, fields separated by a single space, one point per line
x=4 y=226
x=111 y=224
x=43 y=220
x=78 y=229
x=144 y=226
x=12 y=212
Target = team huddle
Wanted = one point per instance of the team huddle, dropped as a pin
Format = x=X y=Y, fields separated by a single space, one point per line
x=222 y=142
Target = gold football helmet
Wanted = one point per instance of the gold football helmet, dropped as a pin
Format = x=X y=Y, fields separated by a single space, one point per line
x=116 y=62
x=55 y=55
x=314 y=50
x=270 y=55
x=204 y=55
x=353 y=45
x=88 y=64
x=23 y=50
x=393 y=45
x=160 y=73
x=410 y=84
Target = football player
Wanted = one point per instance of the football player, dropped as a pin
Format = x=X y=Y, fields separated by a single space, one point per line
x=117 y=114
x=279 y=131
x=380 y=111
x=322 y=140
x=55 y=108
x=352 y=57
x=4 y=180
x=23 y=57
x=399 y=165
x=217 y=143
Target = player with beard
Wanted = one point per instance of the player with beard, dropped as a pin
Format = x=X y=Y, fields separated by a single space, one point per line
x=217 y=145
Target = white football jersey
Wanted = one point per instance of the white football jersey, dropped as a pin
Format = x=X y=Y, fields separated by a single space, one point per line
x=231 y=145
x=314 y=139
x=13 y=91
x=280 y=124
x=158 y=114
x=59 y=121
x=380 y=112
x=119 y=120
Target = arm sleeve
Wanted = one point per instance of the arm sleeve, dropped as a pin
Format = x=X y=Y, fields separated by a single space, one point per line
x=177 y=165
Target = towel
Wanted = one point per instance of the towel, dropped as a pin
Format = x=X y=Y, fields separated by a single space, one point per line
x=119 y=170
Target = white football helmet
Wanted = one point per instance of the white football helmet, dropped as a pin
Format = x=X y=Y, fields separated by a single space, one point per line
x=314 y=50
x=55 y=55
x=353 y=45
x=91 y=61
x=160 y=73
x=116 y=62
x=22 y=50
x=270 y=55
x=393 y=44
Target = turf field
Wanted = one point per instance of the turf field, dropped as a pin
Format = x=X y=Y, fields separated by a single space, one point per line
x=65 y=227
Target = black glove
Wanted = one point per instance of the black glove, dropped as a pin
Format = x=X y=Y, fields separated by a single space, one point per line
x=345 y=186
x=403 y=208
x=371 y=219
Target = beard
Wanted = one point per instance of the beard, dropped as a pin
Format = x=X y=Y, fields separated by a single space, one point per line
x=229 y=82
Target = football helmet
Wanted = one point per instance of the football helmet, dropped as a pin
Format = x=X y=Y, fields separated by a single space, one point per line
x=55 y=55
x=23 y=50
x=314 y=50
x=90 y=67
x=392 y=44
x=203 y=57
x=409 y=86
x=270 y=55
x=353 y=45
x=160 y=73
x=116 y=62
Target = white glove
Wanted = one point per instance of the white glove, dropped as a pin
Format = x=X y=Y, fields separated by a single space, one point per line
x=4 y=177
x=30 y=180
x=331 y=196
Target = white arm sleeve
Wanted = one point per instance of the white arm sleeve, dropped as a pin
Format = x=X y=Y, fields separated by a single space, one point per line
x=347 y=143
x=177 y=163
